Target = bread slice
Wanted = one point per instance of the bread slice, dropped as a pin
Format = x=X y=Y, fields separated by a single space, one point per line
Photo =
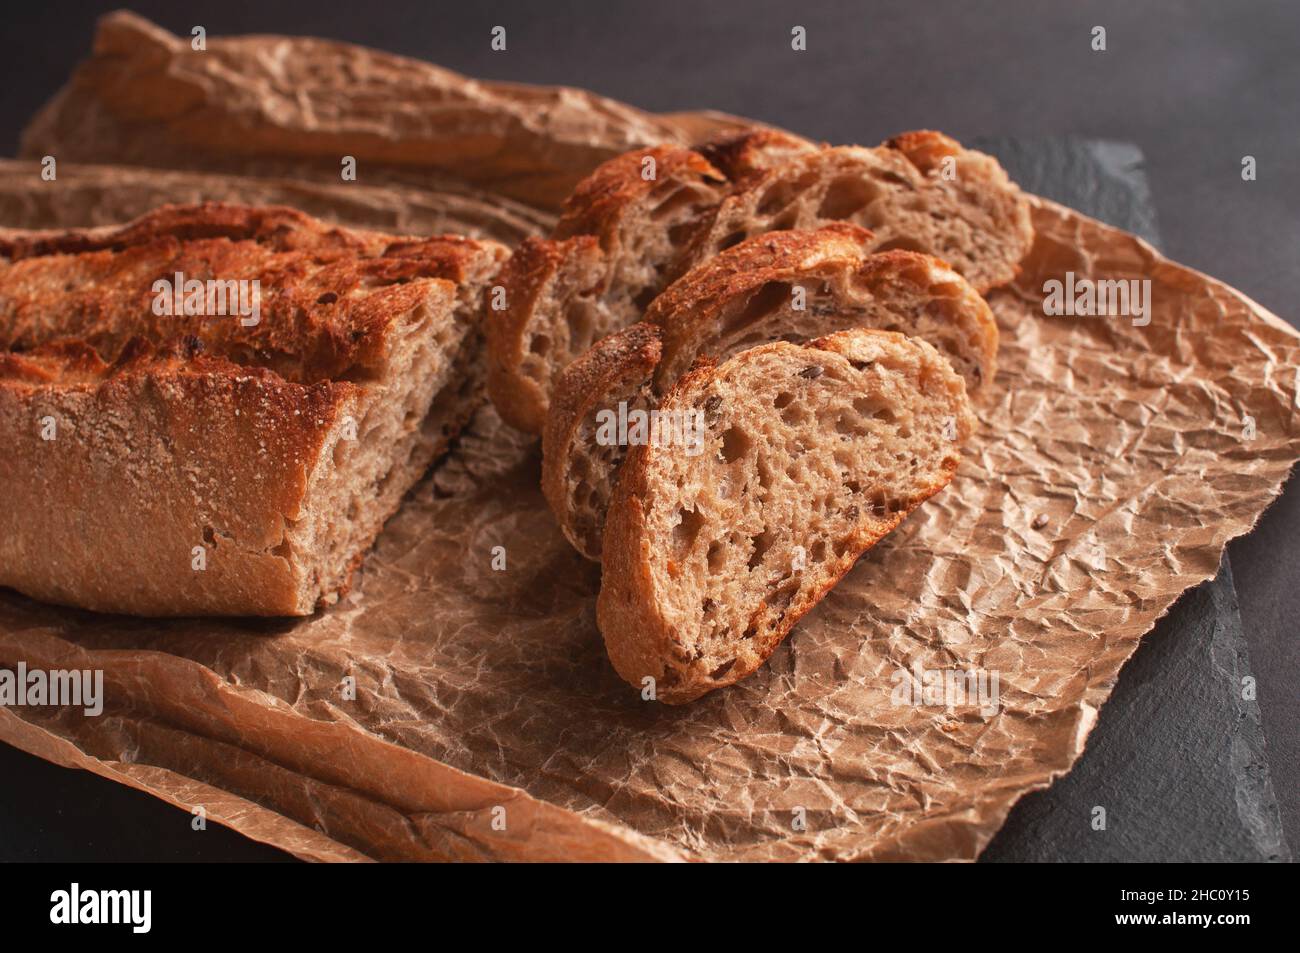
x=747 y=295
x=811 y=454
x=175 y=464
x=965 y=211
x=921 y=191
x=621 y=231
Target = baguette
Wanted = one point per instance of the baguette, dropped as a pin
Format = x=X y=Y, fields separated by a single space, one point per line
x=176 y=464
x=811 y=454
x=743 y=297
x=921 y=191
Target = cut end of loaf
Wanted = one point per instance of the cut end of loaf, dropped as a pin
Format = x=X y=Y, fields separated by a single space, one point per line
x=403 y=420
x=812 y=453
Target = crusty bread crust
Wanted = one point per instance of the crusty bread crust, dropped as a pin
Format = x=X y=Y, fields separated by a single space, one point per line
x=740 y=154
x=728 y=304
x=136 y=437
x=601 y=202
x=648 y=632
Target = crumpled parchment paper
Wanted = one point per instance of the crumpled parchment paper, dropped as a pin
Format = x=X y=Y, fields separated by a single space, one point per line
x=1113 y=463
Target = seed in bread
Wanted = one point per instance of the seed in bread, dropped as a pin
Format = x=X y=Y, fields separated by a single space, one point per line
x=812 y=453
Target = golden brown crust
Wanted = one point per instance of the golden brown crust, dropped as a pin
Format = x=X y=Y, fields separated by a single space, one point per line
x=925 y=148
x=325 y=311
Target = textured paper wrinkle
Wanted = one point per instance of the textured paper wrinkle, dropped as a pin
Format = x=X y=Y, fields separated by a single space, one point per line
x=1107 y=475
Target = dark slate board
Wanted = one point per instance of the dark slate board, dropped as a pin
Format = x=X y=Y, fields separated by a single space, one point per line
x=1177 y=758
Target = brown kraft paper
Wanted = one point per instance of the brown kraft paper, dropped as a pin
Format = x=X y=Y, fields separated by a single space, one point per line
x=1115 y=459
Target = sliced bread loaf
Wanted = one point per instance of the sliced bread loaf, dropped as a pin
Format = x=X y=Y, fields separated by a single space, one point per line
x=172 y=452
x=791 y=285
x=809 y=455
x=922 y=192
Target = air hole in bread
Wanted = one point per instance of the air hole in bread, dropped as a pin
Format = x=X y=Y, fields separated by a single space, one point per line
x=645 y=296
x=539 y=344
x=845 y=426
x=735 y=238
x=793 y=414
x=735 y=444
x=722 y=669
x=781 y=596
x=679 y=199
x=786 y=220
x=846 y=196
x=686 y=530
x=782 y=399
x=901 y=244
x=873 y=409
x=759 y=545
x=762 y=303
x=776 y=198
x=679 y=233
x=714 y=558
x=341 y=452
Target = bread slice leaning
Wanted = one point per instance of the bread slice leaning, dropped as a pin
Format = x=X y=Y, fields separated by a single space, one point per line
x=189 y=463
x=620 y=233
x=791 y=285
x=921 y=191
x=810 y=454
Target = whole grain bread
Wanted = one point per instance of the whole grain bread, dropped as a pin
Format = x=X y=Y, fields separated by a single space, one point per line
x=921 y=191
x=792 y=285
x=810 y=454
x=231 y=464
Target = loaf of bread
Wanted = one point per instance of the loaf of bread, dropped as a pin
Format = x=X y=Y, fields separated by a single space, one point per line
x=809 y=454
x=921 y=191
x=214 y=409
x=789 y=285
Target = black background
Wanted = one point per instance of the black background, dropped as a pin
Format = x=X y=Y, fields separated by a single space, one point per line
x=1196 y=85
